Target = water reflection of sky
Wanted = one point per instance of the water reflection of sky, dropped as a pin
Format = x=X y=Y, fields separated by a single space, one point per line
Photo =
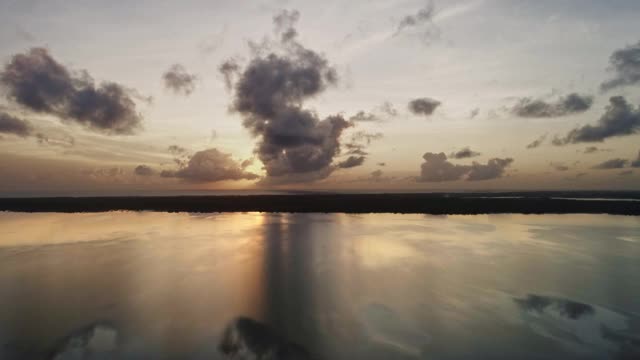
x=325 y=286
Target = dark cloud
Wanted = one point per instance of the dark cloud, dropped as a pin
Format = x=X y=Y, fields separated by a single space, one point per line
x=382 y=164
x=62 y=140
x=386 y=109
x=359 y=141
x=625 y=63
x=566 y=105
x=352 y=161
x=181 y=155
x=493 y=169
x=209 y=166
x=178 y=80
x=355 y=149
x=39 y=83
x=246 y=163
x=363 y=136
x=636 y=163
x=611 y=164
x=143 y=170
x=362 y=116
x=422 y=21
x=294 y=143
x=464 y=154
x=12 y=125
x=229 y=69
x=537 y=142
x=176 y=149
x=437 y=168
x=423 y=106
x=619 y=119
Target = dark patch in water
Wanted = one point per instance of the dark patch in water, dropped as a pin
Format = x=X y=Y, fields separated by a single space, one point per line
x=245 y=338
x=567 y=308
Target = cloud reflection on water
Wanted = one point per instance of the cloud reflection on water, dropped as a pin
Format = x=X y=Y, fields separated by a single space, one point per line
x=340 y=286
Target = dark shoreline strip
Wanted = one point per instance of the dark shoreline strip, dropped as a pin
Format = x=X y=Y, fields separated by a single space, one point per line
x=321 y=203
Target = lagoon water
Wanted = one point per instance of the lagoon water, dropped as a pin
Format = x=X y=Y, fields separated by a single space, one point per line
x=145 y=285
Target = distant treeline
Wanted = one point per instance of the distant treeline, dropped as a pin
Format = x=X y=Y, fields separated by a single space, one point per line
x=618 y=203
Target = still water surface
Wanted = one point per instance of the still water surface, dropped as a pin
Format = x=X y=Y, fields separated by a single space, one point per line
x=145 y=285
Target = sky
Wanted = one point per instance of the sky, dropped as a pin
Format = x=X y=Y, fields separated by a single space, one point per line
x=408 y=95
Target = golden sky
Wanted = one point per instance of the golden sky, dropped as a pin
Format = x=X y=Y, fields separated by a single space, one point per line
x=173 y=97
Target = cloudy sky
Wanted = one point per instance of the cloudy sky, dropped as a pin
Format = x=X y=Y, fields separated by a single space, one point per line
x=123 y=97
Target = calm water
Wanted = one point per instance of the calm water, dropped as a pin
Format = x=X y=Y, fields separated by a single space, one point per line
x=127 y=285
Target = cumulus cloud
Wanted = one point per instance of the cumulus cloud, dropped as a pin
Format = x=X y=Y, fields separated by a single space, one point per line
x=143 y=170
x=294 y=143
x=421 y=22
x=612 y=164
x=423 y=106
x=625 y=63
x=39 y=83
x=493 y=169
x=464 y=153
x=566 y=105
x=178 y=80
x=12 y=125
x=437 y=168
x=537 y=142
x=619 y=119
x=352 y=161
x=209 y=166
